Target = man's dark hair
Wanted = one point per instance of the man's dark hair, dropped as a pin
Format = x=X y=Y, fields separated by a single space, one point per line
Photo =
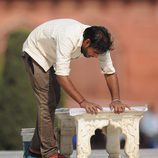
x=100 y=38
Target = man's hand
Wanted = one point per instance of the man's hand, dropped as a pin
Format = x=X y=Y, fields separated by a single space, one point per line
x=118 y=106
x=90 y=107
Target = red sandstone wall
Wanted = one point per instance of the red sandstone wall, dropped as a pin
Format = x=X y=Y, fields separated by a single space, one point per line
x=134 y=28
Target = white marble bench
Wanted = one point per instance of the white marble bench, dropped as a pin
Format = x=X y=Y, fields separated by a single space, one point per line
x=112 y=125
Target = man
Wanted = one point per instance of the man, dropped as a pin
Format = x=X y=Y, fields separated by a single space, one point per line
x=47 y=54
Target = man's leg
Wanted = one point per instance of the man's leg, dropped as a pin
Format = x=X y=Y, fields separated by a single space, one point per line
x=44 y=89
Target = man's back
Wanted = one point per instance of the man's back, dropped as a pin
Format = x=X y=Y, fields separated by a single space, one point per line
x=55 y=36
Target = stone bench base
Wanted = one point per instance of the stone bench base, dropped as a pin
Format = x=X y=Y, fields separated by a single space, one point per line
x=113 y=125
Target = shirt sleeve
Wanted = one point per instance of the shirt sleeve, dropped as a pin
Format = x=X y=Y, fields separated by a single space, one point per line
x=106 y=64
x=63 y=56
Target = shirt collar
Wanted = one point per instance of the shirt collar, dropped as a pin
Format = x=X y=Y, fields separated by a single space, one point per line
x=80 y=41
x=81 y=36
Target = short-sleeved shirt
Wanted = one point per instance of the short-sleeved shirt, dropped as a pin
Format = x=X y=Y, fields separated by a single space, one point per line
x=57 y=42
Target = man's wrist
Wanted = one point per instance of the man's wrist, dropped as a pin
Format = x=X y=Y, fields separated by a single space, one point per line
x=80 y=102
x=115 y=99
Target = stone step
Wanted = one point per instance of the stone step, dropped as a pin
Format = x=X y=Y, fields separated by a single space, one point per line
x=144 y=153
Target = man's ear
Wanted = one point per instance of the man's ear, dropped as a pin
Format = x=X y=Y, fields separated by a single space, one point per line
x=86 y=43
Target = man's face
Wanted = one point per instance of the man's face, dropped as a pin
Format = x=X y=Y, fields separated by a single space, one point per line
x=89 y=52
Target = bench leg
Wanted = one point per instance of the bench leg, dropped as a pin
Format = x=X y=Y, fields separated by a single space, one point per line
x=83 y=141
x=132 y=140
x=131 y=148
x=132 y=145
x=113 y=142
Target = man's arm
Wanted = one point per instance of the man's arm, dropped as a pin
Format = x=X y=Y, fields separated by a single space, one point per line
x=68 y=86
x=113 y=85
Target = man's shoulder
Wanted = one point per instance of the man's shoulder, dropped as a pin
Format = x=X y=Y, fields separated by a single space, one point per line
x=69 y=24
x=70 y=28
x=62 y=22
x=67 y=20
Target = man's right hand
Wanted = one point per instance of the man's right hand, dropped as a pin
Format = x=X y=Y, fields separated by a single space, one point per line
x=91 y=108
x=68 y=86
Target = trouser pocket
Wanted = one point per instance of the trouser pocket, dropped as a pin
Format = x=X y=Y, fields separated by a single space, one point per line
x=31 y=64
x=28 y=59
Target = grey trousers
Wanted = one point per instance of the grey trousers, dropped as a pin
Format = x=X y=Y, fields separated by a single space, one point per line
x=47 y=93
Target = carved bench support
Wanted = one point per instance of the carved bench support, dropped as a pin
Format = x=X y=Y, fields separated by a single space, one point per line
x=113 y=125
x=126 y=123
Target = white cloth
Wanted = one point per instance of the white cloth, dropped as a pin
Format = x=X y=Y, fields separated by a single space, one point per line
x=57 y=42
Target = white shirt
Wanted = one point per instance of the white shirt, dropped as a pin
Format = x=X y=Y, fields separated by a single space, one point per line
x=57 y=42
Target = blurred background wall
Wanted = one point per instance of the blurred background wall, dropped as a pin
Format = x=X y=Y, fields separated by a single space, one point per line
x=133 y=24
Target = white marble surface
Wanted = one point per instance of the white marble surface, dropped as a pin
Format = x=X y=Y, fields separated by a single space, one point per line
x=79 y=111
x=146 y=153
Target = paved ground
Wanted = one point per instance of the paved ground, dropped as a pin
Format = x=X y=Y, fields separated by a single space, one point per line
x=147 y=153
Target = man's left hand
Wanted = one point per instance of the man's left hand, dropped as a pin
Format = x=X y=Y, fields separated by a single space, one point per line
x=118 y=106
